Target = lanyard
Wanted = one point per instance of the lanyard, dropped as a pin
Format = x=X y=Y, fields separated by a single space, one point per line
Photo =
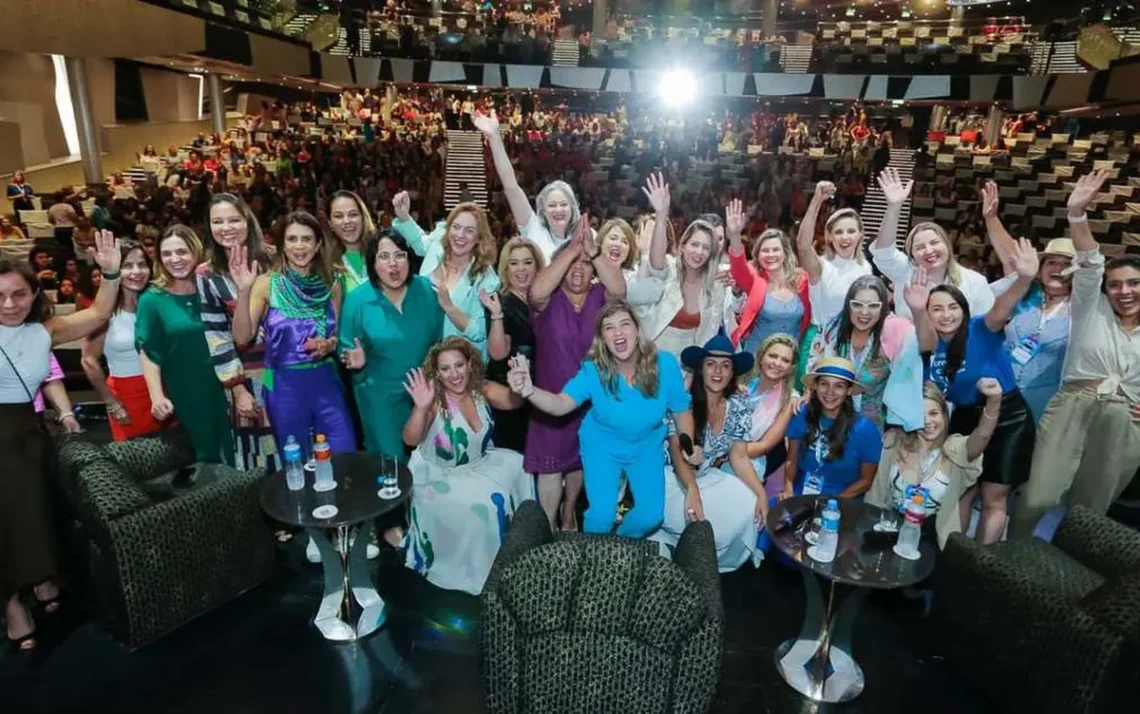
x=1058 y=310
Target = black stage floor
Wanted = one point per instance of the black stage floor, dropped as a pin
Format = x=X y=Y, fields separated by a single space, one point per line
x=261 y=654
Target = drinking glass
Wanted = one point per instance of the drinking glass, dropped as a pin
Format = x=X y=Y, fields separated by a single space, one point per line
x=812 y=535
x=389 y=477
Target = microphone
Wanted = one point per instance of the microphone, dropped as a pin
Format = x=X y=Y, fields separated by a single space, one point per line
x=792 y=519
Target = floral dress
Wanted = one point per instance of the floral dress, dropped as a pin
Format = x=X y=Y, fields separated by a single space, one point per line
x=464 y=493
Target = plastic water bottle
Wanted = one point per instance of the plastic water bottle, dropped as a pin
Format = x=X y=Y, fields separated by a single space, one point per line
x=911 y=530
x=323 y=456
x=828 y=541
x=294 y=469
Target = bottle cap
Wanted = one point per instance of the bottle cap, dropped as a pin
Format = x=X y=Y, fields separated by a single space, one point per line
x=289 y=441
x=320 y=438
x=918 y=498
x=833 y=504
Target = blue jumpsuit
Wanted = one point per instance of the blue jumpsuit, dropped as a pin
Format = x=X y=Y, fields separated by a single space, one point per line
x=625 y=432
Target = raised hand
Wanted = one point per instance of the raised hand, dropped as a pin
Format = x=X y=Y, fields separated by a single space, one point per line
x=419 y=388
x=162 y=409
x=106 y=252
x=402 y=204
x=895 y=190
x=491 y=302
x=589 y=241
x=241 y=271
x=518 y=376
x=1088 y=186
x=824 y=190
x=917 y=292
x=1025 y=259
x=486 y=123
x=657 y=191
x=989 y=387
x=734 y=219
x=989 y=200
x=353 y=357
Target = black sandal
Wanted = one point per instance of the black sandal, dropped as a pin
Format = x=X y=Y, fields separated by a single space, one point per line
x=20 y=644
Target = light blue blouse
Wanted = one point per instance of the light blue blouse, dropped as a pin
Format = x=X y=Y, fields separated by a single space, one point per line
x=1040 y=377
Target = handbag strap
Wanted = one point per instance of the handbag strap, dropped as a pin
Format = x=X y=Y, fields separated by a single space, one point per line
x=19 y=376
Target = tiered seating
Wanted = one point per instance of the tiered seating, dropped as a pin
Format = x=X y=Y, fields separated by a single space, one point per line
x=910 y=47
x=1035 y=176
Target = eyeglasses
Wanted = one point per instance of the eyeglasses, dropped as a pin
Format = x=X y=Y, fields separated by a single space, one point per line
x=398 y=256
x=869 y=306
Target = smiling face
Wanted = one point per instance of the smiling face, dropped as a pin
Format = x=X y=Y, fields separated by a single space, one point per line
x=716 y=372
x=177 y=258
x=135 y=271
x=578 y=277
x=770 y=254
x=454 y=372
x=558 y=210
x=776 y=362
x=16 y=298
x=696 y=250
x=945 y=313
x=615 y=246
x=934 y=421
x=865 y=309
x=300 y=244
x=929 y=250
x=391 y=264
x=346 y=221
x=1122 y=286
x=619 y=332
x=831 y=392
x=844 y=236
x=227 y=225
x=1050 y=277
x=463 y=234
x=521 y=269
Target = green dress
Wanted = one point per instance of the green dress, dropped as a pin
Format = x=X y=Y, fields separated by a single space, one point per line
x=169 y=330
x=355 y=273
x=394 y=342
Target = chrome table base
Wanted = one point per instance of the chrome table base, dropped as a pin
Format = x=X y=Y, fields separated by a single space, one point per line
x=346 y=573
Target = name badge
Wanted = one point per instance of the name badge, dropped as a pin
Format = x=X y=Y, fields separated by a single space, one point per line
x=813 y=484
x=1025 y=349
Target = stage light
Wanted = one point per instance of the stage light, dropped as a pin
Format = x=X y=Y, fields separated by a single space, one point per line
x=678 y=87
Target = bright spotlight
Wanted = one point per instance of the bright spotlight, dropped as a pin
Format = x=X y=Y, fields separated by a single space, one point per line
x=678 y=88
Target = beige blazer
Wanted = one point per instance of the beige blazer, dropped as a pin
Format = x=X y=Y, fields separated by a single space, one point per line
x=657 y=316
x=963 y=474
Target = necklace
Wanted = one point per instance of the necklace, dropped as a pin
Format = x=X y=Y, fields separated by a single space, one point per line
x=303 y=297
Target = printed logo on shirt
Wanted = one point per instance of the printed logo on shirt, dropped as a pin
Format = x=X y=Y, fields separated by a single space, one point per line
x=938 y=371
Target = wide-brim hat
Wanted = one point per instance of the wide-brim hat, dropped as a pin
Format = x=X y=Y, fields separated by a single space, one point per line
x=1060 y=246
x=833 y=367
x=718 y=346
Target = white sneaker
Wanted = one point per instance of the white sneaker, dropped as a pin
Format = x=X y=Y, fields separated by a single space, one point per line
x=311 y=553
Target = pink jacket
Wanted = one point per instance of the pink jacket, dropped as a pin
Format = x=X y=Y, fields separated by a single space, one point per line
x=755 y=284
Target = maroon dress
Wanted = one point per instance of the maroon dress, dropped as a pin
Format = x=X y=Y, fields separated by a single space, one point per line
x=562 y=338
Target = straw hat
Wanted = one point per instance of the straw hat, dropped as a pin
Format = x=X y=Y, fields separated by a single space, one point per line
x=833 y=367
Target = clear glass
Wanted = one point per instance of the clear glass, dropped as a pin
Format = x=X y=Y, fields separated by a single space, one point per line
x=812 y=535
x=389 y=478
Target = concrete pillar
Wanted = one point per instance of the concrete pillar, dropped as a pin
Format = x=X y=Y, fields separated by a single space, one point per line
x=938 y=117
x=771 y=10
x=89 y=148
x=217 y=103
x=993 y=126
x=958 y=13
x=601 y=14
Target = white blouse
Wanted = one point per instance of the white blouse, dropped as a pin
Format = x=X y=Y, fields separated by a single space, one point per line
x=835 y=279
x=29 y=348
x=119 y=346
x=898 y=268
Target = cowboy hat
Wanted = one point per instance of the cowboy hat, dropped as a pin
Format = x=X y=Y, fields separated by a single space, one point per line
x=833 y=367
x=718 y=346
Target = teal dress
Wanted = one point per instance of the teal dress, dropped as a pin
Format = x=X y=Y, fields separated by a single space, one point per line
x=394 y=342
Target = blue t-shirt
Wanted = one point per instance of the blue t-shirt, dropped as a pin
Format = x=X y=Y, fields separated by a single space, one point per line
x=986 y=356
x=864 y=446
x=630 y=417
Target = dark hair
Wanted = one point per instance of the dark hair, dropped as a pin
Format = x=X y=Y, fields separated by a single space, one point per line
x=86 y=286
x=42 y=309
x=323 y=261
x=37 y=251
x=846 y=327
x=956 y=349
x=1124 y=261
x=372 y=246
x=126 y=247
x=840 y=429
x=255 y=250
x=700 y=398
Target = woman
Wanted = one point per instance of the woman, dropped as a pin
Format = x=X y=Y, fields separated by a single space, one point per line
x=89 y=281
x=963 y=350
x=691 y=305
x=465 y=490
x=777 y=291
x=296 y=304
x=732 y=499
x=28 y=331
x=9 y=231
x=350 y=222
x=772 y=396
x=884 y=349
x=619 y=246
x=554 y=218
x=386 y=329
x=1037 y=336
x=631 y=387
x=83 y=237
x=66 y=292
x=566 y=302
x=934 y=463
x=20 y=193
x=832 y=449
x=175 y=356
x=459 y=267
x=124 y=390
x=928 y=247
x=510 y=332
x=231 y=225
x=1089 y=441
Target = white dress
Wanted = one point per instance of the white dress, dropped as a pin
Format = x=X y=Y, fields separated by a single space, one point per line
x=464 y=493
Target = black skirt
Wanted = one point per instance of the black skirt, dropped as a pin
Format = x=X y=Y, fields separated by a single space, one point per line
x=27 y=538
x=1008 y=457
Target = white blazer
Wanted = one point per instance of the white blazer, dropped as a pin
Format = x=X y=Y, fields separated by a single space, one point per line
x=657 y=316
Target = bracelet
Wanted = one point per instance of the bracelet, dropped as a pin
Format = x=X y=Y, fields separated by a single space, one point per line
x=63 y=415
x=986 y=413
x=1083 y=218
x=595 y=256
x=496 y=317
x=113 y=276
x=529 y=395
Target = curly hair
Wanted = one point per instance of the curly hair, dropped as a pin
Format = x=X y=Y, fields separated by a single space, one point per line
x=476 y=371
x=644 y=352
x=483 y=257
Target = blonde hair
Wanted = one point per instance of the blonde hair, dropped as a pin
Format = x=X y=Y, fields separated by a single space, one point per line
x=708 y=283
x=187 y=235
x=626 y=232
x=790 y=264
x=953 y=270
x=475 y=370
x=484 y=254
x=909 y=440
x=670 y=234
x=788 y=386
x=836 y=217
x=645 y=353
x=505 y=260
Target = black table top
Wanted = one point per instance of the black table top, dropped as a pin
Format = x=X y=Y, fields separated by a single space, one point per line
x=856 y=563
x=357 y=477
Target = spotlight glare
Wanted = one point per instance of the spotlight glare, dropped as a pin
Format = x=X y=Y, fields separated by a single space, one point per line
x=678 y=88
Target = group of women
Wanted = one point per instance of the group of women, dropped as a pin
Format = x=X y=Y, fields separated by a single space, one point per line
x=704 y=378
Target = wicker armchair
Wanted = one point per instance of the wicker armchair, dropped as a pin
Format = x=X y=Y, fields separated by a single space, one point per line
x=1046 y=627
x=585 y=623
x=158 y=556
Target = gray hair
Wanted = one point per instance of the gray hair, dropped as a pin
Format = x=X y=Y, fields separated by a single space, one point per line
x=544 y=195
